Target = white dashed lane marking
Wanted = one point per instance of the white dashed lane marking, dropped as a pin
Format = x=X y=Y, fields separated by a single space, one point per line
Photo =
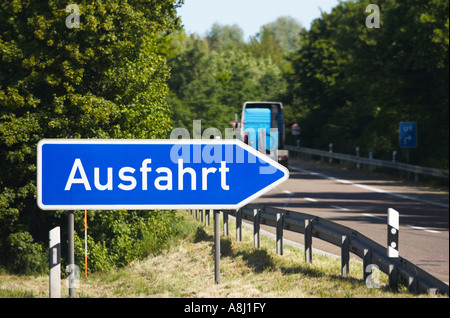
x=369 y=188
x=365 y=214
x=339 y=208
x=411 y=226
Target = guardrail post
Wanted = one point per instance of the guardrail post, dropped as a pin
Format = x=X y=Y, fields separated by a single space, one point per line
x=195 y=214
x=239 y=225
x=201 y=216
x=345 y=256
x=279 y=233
x=392 y=249
x=330 y=146
x=225 y=223
x=367 y=261
x=308 y=240
x=256 y=226
x=393 y=277
x=357 y=156
x=207 y=217
x=413 y=284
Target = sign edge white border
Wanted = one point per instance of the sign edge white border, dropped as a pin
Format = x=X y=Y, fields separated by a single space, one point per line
x=236 y=142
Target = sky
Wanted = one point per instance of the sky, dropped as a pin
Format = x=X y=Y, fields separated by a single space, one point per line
x=199 y=15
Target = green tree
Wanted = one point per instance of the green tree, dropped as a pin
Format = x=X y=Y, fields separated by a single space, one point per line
x=211 y=82
x=351 y=85
x=105 y=79
x=277 y=39
x=225 y=37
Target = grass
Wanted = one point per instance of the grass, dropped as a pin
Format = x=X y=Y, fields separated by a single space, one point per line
x=186 y=269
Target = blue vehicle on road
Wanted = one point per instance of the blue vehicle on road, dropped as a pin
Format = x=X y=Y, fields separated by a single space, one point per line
x=262 y=127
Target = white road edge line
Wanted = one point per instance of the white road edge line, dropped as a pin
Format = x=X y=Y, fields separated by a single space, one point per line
x=370 y=188
x=374 y=216
x=338 y=207
x=423 y=229
x=411 y=226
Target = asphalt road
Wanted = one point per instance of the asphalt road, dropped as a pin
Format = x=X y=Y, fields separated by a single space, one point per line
x=360 y=200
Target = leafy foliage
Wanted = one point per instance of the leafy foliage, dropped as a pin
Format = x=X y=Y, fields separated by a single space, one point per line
x=117 y=238
x=352 y=85
x=106 y=79
x=213 y=76
x=343 y=82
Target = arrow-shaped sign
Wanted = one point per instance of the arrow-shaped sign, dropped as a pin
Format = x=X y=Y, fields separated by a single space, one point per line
x=407 y=139
x=77 y=174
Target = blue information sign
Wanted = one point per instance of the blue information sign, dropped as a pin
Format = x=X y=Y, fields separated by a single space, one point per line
x=408 y=135
x=77 y=174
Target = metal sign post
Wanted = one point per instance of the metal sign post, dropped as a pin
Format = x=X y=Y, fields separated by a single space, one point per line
x=71 y=255
x=217 y=246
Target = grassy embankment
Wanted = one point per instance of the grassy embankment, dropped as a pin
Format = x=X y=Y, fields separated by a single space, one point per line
x=187 y=270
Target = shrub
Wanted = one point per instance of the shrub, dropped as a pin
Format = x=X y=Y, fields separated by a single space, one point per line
x=115 y=238
x=26 y=256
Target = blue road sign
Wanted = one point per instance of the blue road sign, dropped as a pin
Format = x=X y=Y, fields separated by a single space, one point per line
x=408 y=135
x=77 y=174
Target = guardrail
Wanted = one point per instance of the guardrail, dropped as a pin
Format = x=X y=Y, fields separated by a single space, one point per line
x=371 y=162
x=398 y=269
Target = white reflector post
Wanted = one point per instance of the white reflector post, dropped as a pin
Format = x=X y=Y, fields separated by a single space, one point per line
x=392 y=236
x=55 y=263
